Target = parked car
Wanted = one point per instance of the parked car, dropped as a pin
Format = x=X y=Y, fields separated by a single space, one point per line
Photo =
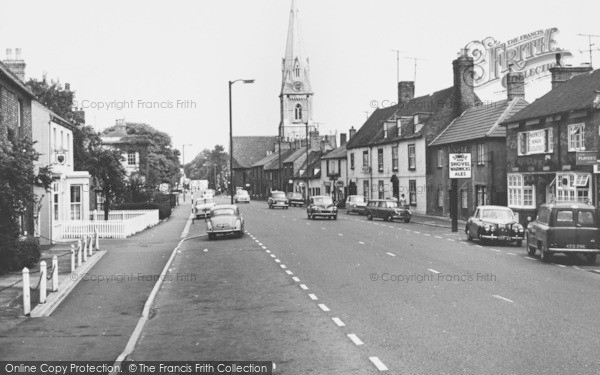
x=278 y=199
x=295 y=199
x=208 y=193
x=224 y=219
x=568 y=228
x=202 y=207
x=494 y=223
x=356 y=204
x=388 y=210
x=321 y=206
x=241 y=196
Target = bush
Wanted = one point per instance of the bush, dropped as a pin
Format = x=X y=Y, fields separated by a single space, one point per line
x=26 y=253
x=164 y=211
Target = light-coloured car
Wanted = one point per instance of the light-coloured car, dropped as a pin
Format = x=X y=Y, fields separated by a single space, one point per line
x=356 y=204
x=321 y=206
x=202 y=207
x=241 y=196
x=224 y=219
x=278 y=199
x=494 y=223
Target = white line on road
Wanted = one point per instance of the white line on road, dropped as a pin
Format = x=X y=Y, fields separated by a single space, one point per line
x=304 y=287
x=432 y=270
x=449 y=239
x=417 y=232
x=323 y=307
x=277 y=261
x=427 y=234
x=289 y=272
x=313 y=297
x=296 y=279
x=391 y=254
x=441 y=238
x=355 y=339
x=260 y=244
x=561 y=265
x=496 y=250
x=268 y=251
x=478 y=246
x=282 y=266
x=323 y=228
x=377 y=362
x=503 y=298
x=339 y=234
x=577 y=268
x=360 y=242
x=530 y=258
x=511 y=253
x=264 y=248
x=339 y=322
x=186 y=229
x=273 y=256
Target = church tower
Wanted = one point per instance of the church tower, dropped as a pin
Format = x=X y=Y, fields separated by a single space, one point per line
x=296 y=91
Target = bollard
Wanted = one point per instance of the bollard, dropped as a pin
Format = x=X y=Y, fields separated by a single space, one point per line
x=78 y=253
x=97 y=242
x=72 y=258
x=91 y=246
x=84 y=249
x=95 y=215
x=26 y=291
x=42 y=286
x=55 y=273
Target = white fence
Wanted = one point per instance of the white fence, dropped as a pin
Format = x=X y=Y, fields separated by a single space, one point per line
x=120 y=224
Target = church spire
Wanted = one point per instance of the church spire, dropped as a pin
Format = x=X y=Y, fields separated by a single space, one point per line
x=295 y=66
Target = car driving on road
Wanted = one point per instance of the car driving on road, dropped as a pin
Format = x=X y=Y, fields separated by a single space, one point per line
x=388 y=210
x=278 y=199
x=202 y=207
x=569 y=228
x=321 y=206
x=295 y=199
x=494 y=223
x=356 y=204
x=241 y=196
x=224 y=219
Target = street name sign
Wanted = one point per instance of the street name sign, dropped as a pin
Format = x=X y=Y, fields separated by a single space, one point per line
x=460 y=165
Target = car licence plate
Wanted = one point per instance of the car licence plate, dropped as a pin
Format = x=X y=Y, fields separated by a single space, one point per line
x=503 y=238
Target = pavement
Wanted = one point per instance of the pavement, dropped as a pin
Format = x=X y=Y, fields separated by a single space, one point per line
x=96 y=320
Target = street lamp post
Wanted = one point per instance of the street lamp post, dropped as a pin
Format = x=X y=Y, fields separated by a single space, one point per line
x=231 y=136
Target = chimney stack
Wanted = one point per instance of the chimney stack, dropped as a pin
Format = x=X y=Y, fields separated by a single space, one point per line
x=342 y=139
x=351 y=133
x=16 y=65
x=406 y=92
x=515 y=84
x=561 y=73
x=463 y=83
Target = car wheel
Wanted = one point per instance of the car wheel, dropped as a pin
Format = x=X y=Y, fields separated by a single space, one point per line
x=545 y=255
x=591 y=259
x=407 y=220
x=369 y=216
x=469 y=237
x=530 y=249
x=390 y=218
x=309 y=217
x=334 y=217
x=211 y=236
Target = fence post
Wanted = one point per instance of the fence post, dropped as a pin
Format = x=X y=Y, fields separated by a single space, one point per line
x=78 y=253
x=55 y=273
x=72 y=258
x=95 y=215
x=97 y=245
x=26 y=292
x=90 y=246
x=42 y=286
x=84 y=249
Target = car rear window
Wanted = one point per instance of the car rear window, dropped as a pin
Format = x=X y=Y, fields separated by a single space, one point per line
x=242 y=192
x=565 y=218
x=223 y=212
x=357 y=199
x=586 y=218
x=279 y=195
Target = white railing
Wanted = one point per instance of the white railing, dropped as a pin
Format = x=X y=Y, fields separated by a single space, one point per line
x=118 y=214
x=128 y=223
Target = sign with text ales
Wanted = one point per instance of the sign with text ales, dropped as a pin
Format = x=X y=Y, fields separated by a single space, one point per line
x=460 y=165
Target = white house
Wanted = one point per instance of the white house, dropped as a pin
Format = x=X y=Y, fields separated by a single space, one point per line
x=69 y=196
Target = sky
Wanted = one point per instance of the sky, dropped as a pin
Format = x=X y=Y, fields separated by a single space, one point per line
x=168 y=63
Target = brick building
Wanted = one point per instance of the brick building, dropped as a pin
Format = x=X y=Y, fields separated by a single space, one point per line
x=552 y=144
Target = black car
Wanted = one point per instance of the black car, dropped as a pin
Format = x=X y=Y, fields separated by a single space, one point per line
x=388 y=210
x=278 y=199
x=568 y=228
x=321 y=206
x=494 y=223
x=295 y=199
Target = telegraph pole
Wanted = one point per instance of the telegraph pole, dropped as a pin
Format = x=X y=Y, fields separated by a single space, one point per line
x=590 y=45
x=415 y=59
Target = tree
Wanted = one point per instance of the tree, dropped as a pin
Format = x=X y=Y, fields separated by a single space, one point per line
x=159 y=161
x=209 y=165
x=17 y=178
x=111 y=175
x=54 y=96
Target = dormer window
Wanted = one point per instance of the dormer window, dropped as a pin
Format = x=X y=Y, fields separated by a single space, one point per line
x=399 y=125
x=385 y=130
x=298 y=112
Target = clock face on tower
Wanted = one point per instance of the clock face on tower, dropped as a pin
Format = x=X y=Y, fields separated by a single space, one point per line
x=297 y=86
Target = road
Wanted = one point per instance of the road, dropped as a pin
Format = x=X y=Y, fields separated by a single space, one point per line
x=356 y=296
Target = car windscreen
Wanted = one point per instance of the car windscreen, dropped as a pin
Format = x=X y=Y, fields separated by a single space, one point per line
x=279 y=196
x=296 y=196
x=205 y=200
x=323 y=200
x=496 y=214
x=586 y=218
x=242 y=192
x=392 y=204
x=223 y=212
x=357 y=199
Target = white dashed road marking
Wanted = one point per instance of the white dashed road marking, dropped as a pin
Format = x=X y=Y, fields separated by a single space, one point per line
x=323 y=307
x=377 y=362
x=277 y=261
x=282 y=266
x=289 y=272
x=360 y=242
x=390 y=254
x=530 y=258
x=503 y=298
x=313 y=297
x=339 y=322
x=303 y=287
x=355 y=339
x=339 y=234
x=432 y=270
x=561 y=265
x=296 y=279
x=272 y=255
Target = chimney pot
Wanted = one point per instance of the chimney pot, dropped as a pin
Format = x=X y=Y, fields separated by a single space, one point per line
x=17 y=54
x=351 y=133
x=406 y=91
x=463 y=83
x=9 y=53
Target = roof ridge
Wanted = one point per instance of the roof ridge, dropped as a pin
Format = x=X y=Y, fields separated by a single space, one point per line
x=510 y=105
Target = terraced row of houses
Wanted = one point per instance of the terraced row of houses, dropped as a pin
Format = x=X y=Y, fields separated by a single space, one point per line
x=522 y=154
